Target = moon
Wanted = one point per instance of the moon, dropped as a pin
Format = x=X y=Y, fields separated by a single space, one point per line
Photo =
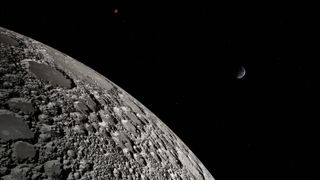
x=241 y=72
x=60 y=119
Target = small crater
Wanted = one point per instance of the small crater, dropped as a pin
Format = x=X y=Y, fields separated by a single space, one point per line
x=23 y=150
x=17 y=104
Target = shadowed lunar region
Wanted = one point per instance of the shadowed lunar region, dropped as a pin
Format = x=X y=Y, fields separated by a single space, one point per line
x=59 y=119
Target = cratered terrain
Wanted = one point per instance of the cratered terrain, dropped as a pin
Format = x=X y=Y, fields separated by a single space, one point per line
x=59 y=119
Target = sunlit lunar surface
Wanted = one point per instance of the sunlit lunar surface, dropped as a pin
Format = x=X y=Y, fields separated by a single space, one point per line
x=59 y=119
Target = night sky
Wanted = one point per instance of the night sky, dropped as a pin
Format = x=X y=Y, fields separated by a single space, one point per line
x=181 y=61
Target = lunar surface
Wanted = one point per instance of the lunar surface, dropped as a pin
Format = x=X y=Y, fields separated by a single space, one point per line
x=59 y=119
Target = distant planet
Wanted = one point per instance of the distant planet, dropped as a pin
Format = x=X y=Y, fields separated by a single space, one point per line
x=241 y=72
x=59 y=119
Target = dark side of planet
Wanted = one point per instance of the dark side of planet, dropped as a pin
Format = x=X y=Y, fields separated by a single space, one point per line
x=60 y=119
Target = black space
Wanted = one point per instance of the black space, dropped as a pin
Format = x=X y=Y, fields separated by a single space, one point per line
x=180 y=60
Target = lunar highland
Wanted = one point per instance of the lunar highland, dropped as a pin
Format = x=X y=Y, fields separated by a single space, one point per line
x=59 y=119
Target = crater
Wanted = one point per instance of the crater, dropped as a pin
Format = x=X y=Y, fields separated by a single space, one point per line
x=13 y=127
x=49 y=74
